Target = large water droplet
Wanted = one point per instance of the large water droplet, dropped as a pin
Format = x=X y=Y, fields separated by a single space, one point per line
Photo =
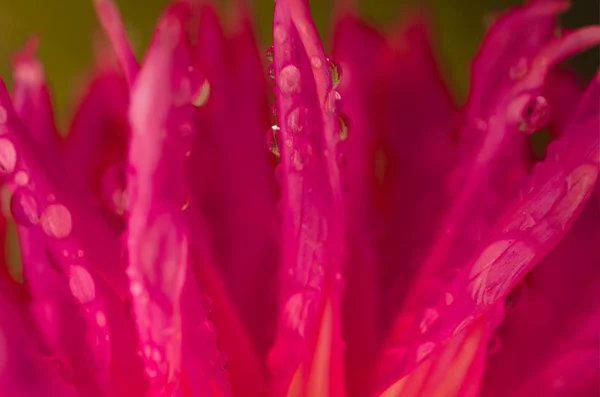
x=272 y=144
x=21 y=178
x=535 y=115
x=113 y=188
x=296 y=120
x=8 y=156
x=81 y=284
x=289 y=80
x=24 y=207
x=271 y=71
x=279 y=33
x=316 y=62
x=335 y=71
x=56 y=221
x=333 y=102
x=270 y=53
x=201 y=96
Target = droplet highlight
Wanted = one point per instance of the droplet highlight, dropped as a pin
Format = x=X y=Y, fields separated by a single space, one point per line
x=8 y=156
x=56 y=221
x=289 y=80
x=535 y=115
x=24 y=207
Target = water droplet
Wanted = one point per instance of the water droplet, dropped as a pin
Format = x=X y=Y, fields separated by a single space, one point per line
x=343 y=125
x=24 y=207
x=81 y=284
x=333 y=102
x=279 y=33
x=272 y=140
x=430 y=317
x=424 y=350
x=56 y=221
x=21 y=178
x=271 y=72
x=335 y=71
x=113 y=188
x=136 y=288
x=3 y=115
x=448 y=298
x=8 y=156
x=202 y=95
x=316 y=62
x=100 y=319
x=289 y=80
x=297 y=160
x=269 y=53
x=534 y=115
x=519 y=70
x=296 y=120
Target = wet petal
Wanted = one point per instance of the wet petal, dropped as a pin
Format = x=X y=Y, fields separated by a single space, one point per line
x=501 y=258
x=306 y=358
x=231 y=178
x=356 y=47
x=544 y=304
x=165 y=294
x=75 y=330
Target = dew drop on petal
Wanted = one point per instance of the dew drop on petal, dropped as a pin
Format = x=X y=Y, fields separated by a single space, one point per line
x=56 y=221
x=296 y=120
x=269 y=53
x=333 y=102
x=202 y=94
x=430 y=316
x=424 y=350
x=335 y=71
x=8 y=156
x=279 y=33
x=535 y=115
x=271 y=72
x=519 y=70
x=100 y=319
x=272 y=144
x=24 y=207
x=113 y=188
x=21 y=178
x=448 y=298
x=316 y=62
x=289 y=80
x=81 y=284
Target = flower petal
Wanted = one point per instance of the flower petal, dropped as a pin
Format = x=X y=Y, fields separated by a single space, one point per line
x=527 y=364
x=501 y=256
x=53 y=241
x=165 y=294
x=355 y=48
x=313 y=213
x=238 y=201
x=32 y=99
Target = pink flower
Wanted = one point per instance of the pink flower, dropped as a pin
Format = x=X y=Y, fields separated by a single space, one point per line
x=395 y=243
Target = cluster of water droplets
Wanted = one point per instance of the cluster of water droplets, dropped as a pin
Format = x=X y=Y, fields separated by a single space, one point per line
x=535 y=111
x=288 y=83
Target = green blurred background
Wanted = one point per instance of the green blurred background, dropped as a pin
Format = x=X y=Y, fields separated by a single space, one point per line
x=66 y=29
